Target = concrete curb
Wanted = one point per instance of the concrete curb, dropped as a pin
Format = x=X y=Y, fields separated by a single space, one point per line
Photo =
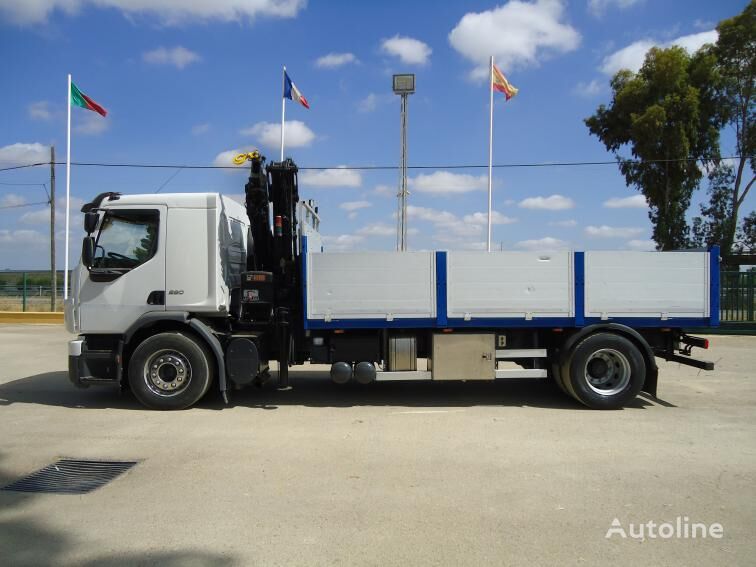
x=31 y=317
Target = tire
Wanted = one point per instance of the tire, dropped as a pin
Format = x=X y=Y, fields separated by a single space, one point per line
x=170 y=371
x=604 y=371
x=555 y=378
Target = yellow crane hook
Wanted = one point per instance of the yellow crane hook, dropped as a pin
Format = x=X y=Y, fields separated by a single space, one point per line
x=248 y=156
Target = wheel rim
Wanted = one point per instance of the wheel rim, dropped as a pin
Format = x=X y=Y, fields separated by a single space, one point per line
x=167 y=373
x=607 y=372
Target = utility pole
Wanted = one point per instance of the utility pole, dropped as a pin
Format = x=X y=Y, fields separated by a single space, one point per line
x=402 y=212
x=53 y=271
x=404 y=85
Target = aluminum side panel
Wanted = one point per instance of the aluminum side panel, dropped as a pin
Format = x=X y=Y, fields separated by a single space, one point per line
x=510 y=284
x=647 y=284
x=377 y=285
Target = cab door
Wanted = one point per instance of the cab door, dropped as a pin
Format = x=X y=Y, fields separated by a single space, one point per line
x=127 y=278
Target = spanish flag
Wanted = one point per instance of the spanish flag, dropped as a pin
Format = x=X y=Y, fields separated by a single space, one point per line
x=500 y=83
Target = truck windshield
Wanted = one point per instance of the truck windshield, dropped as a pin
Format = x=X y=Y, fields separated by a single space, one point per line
x=126 y=239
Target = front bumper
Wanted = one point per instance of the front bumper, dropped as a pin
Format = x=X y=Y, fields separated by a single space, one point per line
x=87 y=366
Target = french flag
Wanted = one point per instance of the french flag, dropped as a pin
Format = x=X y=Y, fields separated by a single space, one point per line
x=292 y=92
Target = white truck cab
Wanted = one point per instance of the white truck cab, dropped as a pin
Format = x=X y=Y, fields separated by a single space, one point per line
x=141 y=265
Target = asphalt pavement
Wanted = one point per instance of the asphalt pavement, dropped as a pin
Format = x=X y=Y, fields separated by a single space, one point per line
x=510 y=472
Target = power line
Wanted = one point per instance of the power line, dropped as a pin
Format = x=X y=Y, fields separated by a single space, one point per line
x=25 y=205
x=43 y=185
x=167 y=181
x=25 y=166
x=379 y=167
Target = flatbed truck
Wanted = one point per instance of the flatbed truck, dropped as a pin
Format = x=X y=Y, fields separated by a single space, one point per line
x=176 y=294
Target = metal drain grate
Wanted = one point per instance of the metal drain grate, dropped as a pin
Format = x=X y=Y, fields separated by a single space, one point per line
x=71 y=476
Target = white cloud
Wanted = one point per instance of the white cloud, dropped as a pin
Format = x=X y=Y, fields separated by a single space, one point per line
x=372 y=101
x=335 y=177
x=409 y=50
x=385 y=190
x=377 y=229
x=20 y=153
x=341 y=243
x=333 y=60
x=700 y=24
x=570 y=223
x=167 y=12
x=475 y=245
x=605 y=231
x=642 y=245
x=629 y=57
x=482 y=218
x=454 y=242
x=551 y=203
x=90 y=123
x=590 y=89
x=447 y=224
x=40 y=110
x=226 y=158
x=446 y=183
x=460 y=233
x=696 y=41
x=632 y=56
x=12 y=200
x=177 y=56
x=352 y=207
x=23 y=237
x=517 y=34
x=42 y=216
x=633 y=202
x=598 y=7
x=298 y=134
x=459 y=229
x=430 y=215
x=546 y=243
x=355 y=205
x=198 y=129
x=368 y=104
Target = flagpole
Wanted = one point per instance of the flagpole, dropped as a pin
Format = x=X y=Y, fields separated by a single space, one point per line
x=490 y=148
x=283 y=111
x=68 y=188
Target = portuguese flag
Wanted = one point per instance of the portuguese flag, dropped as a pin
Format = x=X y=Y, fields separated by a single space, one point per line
x=78 y=98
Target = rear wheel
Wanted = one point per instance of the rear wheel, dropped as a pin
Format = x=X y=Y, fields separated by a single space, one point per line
x=604 y=371
x=170 y=371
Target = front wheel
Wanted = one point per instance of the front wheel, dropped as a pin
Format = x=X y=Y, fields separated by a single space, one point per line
x=604 y=371
x=170 y=371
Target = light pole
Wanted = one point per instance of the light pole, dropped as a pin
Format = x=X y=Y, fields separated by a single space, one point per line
x=403 y=85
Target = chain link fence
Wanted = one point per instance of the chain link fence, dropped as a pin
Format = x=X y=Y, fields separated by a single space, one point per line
x=29 y=291
x=737 y=299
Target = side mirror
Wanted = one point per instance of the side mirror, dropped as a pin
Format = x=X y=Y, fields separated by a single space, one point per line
x=90 y=222
x=87 y=251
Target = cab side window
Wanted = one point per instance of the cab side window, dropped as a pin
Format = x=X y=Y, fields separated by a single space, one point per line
x=127 y=238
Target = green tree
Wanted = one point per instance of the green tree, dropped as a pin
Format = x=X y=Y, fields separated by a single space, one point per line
x=710 y=228
x=746 y=240
x=735 y=53
x=667 y=115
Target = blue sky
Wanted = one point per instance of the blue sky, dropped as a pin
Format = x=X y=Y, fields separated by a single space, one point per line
x=192 y=82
